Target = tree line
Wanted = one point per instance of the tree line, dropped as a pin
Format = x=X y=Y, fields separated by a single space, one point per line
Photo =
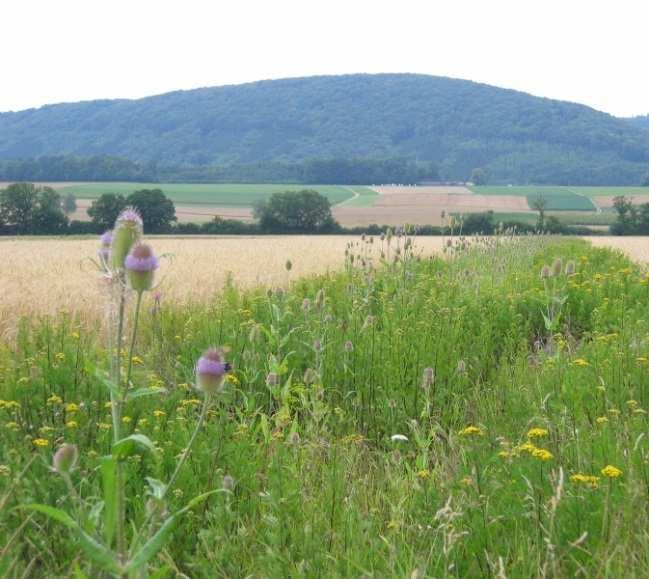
x=347 y=171
x=28 y=209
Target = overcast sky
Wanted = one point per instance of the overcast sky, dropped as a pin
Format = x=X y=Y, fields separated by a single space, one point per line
x=589 y=51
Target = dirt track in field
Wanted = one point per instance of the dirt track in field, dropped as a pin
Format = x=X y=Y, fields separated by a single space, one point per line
x=605 y=202
x=424 y=206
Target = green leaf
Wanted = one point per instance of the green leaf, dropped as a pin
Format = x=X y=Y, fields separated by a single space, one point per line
x=108 y=468
x=52 y=513
x=142 y=392
x=99 y=553
x=131 y=444
x=157 y=541
x=103 y=378
x=156 y=487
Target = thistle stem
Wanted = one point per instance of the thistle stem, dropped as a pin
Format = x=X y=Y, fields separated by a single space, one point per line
x=132 y=348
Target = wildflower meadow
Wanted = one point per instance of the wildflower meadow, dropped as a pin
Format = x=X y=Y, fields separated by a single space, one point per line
x=478 y=413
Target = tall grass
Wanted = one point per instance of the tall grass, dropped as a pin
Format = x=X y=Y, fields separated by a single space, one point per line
x=340 y=453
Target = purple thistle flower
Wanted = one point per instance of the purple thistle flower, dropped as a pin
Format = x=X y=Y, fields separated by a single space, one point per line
x=106 y=238
x=140 y=264
x=211 y=371
x=129 y=216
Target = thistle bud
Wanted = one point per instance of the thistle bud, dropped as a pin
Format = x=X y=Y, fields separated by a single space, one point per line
x=127 y=232
x=570 y=267
x=104 y=251
x=310 y=376
x=320 y=299
x=557 y=267
x=65 y=458
x=140 y=265
x=211 y=371
x=428 y=378
x=306 y=305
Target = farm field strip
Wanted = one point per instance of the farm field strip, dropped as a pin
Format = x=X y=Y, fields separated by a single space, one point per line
x=200 y=268
x=525 y=190
x=232 y=194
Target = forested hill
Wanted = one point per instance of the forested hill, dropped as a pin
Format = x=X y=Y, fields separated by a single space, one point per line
x=457 y=124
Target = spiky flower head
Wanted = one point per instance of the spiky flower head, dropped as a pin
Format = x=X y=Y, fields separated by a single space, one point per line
x=211 y=371
x=65 y=458
x=557 y=267
x=127 y=232
x=428 y=378
x=349 y=346
x=545 y=272
x=104 y=251
x=570 y=267
x=140 y=265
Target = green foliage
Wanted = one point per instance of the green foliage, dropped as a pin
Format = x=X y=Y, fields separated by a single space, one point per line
x=27 y=209
x=296 y=212
x=158 y=212
x=478 y=177
x=267 y=127
x=69 y=203
x=630 y=219
x=104 y=210
x=306 y=478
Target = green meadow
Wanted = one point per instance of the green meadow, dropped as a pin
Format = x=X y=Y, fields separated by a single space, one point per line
x=482 y=413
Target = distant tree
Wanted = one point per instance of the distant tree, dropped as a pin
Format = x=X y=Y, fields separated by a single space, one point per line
x=157 y=210
x=69 y=204
x=645 y=180
x=478 y=176
x=540 y=204
x=479 y=223
x=296 y=212
x=104 y=210
x=627 y=219
x=28 y=209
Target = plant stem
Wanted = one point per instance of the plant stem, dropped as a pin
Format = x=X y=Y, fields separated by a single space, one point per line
x=131 y=349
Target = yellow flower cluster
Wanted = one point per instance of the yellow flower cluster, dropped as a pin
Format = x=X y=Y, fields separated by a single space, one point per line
x=41 y=442
x=55 y=399
x=472 y=431
x=590 y=480
x=537 y=433
x=611 y=471
x=9 y=404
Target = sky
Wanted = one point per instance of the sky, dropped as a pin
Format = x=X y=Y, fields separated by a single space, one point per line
x=592 y=52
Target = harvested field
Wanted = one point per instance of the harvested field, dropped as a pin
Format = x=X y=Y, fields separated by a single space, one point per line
x=605 y=202
x=200 y=268
x=424 y=206
x=637 y=248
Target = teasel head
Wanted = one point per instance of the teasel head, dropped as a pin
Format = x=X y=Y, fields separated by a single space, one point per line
x=140 y=265
x=570 y=267
x=272 y=379
x=349 y=346
x=545 y=272
x=306 y=305
x=127 y=232
x=310 y=376
x=65 y=458
x=288 y=265
x=461 y=367
x=106 y=239
x=428 y=378
x=557 y=267
x=211 y=370
x=320 y=299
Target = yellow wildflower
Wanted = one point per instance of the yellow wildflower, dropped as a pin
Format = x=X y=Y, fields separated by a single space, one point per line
x=587 y=479
x=104 y=425
x=537 y=433
x=505 y=454
x=42 y=442
x=471 y=431
x=60 y=356
x=159 y=413
x=4 y=470
x=55 y=399
x=466 y=481
x=423 y=474
x=12 y=425
x=541 y=454
x=580 y=362
x=233 y=379
x=601 y=419
x=611 y=471
x=72 y=407
x=126 y=419
x=632 y=404
x=137 y=361
x=527 y=447
x=71 y=424
x=108 y=404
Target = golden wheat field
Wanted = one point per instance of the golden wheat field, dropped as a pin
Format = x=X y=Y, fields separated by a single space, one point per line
x=42 y=276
